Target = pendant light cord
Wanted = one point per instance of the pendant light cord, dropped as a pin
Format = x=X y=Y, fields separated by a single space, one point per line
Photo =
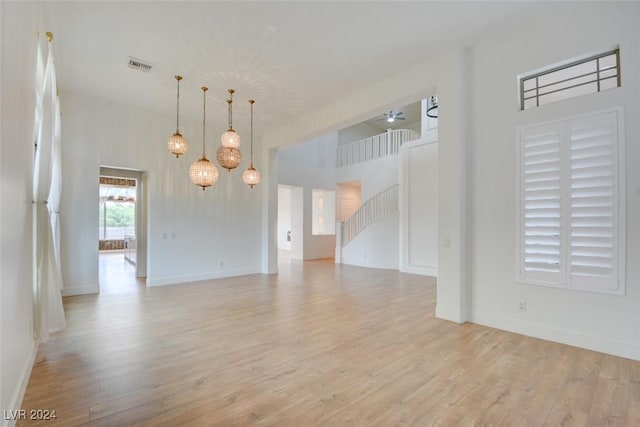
x=178 y=78
x=251 y=101
x=204 y=114
x=178 y=108
x=229 y=113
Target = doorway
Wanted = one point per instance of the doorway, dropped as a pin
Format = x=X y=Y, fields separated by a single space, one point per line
x=121 y=231
x=290 y=223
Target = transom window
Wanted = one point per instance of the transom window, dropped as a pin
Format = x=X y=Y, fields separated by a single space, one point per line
x=590 y=75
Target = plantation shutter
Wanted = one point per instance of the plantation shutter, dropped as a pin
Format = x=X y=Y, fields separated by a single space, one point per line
x=540 y=191
x=571 y=210
x=593 y=220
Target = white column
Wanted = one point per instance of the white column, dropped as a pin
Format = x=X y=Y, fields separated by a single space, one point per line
x=269 y=187
x=338 y=256
x=453 y=92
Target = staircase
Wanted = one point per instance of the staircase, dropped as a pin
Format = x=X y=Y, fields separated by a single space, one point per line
x=382 y=204
x=374 y=147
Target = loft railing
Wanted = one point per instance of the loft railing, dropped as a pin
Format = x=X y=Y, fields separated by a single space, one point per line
x=378 y=206
x=374 y=147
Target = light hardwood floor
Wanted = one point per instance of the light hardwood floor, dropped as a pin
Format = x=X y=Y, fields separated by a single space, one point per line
x=318 y=344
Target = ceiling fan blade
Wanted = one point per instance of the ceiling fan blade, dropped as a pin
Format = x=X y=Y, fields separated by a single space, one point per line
x=399 y=118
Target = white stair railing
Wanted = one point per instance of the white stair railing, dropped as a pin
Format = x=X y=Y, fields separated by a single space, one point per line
x=378 y=206
x=374 y=147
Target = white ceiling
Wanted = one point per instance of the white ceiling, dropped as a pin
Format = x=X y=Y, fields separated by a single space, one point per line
x=291 y=57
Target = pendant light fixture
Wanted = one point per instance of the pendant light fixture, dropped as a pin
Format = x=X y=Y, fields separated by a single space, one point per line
x=229 y=158
x=203 y=173
x=176 y=143
x=251 y=176
x=230 y=138
x=228 y=155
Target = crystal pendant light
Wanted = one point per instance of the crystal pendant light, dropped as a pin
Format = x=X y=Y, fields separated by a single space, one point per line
x=203 y=173
x=230 y=138
x=176 y=143
x=228 y=155
x=251 y=176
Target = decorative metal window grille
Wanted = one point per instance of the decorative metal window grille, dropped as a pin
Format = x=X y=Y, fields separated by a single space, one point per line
x=590 y=75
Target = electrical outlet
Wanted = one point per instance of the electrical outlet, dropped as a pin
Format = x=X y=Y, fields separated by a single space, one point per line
x=522 y=305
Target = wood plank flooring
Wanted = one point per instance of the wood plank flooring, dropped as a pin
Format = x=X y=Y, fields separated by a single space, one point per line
x=317 y=344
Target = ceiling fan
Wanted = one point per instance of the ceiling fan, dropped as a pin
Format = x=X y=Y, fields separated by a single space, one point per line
x=391 y=117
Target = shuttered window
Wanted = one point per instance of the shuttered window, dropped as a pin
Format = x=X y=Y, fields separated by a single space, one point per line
x=571 y=210
x=541 y=203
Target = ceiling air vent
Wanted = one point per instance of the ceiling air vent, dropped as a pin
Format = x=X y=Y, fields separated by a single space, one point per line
x=139 y=64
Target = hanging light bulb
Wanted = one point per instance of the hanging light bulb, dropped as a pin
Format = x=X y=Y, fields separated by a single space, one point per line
x=176 y=143
x=251 y=176
x=203 y=173
x=230 y=138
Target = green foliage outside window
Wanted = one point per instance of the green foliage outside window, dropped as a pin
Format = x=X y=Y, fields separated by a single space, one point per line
x=120 y=219
x=120 y=214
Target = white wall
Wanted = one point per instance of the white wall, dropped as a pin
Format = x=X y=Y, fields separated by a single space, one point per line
x=376 y=246
x=374 y=175
x=192 y=234
x=600 y=322
x=20 y=24
x=414 y=126
x=366 y=130
x=318 y=152
x=357 y=132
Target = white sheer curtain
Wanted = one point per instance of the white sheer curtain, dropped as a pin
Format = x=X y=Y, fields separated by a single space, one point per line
x=49 y=312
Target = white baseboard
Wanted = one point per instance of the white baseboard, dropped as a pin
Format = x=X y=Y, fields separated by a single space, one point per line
x=174 y=280
x=18 y=394
x=86 y=290
x=606 y=345
x=358 y=263
x=421 y=270
x=315 y=257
